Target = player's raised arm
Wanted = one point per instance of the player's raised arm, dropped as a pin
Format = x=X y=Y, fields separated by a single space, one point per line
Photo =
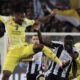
x=47 y=43
x=37 y=22
x=45 y=18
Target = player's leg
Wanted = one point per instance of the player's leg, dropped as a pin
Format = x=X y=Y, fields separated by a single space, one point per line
x=27 y=52
x=11 y=61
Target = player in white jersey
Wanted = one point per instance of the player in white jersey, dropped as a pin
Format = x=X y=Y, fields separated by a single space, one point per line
x=34 y=63
x=67 y=54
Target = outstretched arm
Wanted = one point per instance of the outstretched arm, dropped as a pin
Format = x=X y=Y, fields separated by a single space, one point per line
x=44 y=19
x=47 y=43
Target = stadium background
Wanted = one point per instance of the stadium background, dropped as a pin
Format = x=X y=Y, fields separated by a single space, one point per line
x=36 y=9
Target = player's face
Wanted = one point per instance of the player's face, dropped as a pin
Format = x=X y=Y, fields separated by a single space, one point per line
x=35 y=40
x=68 y=44
x=19 y=16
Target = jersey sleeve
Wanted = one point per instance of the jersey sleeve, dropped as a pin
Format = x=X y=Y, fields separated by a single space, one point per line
x=29 y=22
x=4 y=18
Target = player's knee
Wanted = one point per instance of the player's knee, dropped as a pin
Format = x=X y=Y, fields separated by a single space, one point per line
x=6 y=74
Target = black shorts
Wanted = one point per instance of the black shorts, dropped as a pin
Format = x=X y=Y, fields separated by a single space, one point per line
x=31 y=76
x=55 y=77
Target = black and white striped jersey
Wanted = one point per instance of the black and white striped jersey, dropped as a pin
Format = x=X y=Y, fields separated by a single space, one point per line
x=63 y=55
x=35 y=66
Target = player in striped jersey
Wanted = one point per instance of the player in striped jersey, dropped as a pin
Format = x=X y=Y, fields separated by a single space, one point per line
x=34 y=63
x=67 y=54
x=15 y=29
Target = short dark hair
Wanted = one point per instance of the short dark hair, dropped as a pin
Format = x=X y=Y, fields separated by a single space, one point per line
x=69 y=37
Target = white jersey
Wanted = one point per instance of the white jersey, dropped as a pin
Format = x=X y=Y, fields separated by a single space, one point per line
x=35 y=66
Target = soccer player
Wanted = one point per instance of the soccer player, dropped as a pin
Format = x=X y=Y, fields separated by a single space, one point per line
x=67 y=54
x=15 y=29
x=34 y=63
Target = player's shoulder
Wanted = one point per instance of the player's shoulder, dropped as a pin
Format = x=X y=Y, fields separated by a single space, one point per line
x=4 y=18
x=26 y=19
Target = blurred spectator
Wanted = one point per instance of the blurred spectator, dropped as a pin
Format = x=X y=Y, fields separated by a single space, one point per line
x=38 y=12
x=34 y=9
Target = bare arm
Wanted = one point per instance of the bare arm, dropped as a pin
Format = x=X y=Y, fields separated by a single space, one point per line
x=44 y=19
x=47 y=43
x=74 y=69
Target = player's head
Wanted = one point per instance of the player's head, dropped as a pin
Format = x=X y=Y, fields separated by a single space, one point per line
x=19 y=16
x=35 y=39
x=68 y=42
x=19 y=11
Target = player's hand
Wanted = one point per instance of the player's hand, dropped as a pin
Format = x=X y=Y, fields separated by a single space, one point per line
x=65 y=63
x=36 y=26
x=53 y=12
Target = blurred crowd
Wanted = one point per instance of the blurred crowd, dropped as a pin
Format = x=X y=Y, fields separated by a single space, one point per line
x=34 y=9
